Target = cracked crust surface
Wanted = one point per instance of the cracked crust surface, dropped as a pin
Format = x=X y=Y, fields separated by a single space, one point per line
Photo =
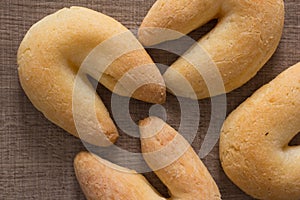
x=246 y=36
x=184 y=174
x=49 y=57
x=103 y=180
x=186 y=177
x=254 y=148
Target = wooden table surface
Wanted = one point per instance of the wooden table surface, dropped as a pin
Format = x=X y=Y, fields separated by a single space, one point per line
x=36 y=156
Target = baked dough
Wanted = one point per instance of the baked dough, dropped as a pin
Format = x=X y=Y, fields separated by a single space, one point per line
x=246 y=36
x=184 y=174
x=174 y=161
x=254 y=148
x=102 y=180
x=52 y=52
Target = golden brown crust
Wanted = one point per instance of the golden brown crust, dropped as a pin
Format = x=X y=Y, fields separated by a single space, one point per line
x=254 y=149
x=185 y=176
x=181 y=16
x=245 y=38
x=50 y=55
x=102 y=180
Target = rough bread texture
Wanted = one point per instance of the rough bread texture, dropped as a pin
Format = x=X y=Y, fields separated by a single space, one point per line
x=185 y=175
x=102 y=180
x=254 y=148
x=51 y=53
x=246 y=36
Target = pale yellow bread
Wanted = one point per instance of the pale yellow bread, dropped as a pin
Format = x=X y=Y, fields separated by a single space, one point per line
x=244 y=39
x=254 y=148
x=51 y=53
x=102 y=180
x=184 y=174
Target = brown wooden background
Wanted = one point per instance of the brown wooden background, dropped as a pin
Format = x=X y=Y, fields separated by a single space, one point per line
x=36 y=156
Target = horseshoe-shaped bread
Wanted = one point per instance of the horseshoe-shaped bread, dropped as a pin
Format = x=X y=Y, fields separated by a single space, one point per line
x=52 y=52
x=185 y=175
x=254 y=144
x=246 y=36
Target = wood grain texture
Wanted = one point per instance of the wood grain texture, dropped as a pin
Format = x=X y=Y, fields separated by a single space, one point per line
x=36 y=156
